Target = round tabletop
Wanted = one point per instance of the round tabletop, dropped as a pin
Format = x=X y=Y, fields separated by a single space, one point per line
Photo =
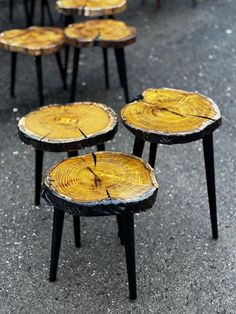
x=34 y=40
x=171 y=116
x=91 y=7
x=102 y=183
x=68 y=127
x=105 y=33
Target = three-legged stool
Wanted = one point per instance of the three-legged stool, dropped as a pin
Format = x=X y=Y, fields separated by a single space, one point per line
x=106 y=33
x=36 y=42
x=66 y=128
x=169 y=116
x=102 y=184
x=90 y=8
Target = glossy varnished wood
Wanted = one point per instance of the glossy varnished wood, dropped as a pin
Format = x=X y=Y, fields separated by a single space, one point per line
x=171 y=116
x=91 y=7
x=68 y=127
x=102 y=183
x=103 y=32
x=35 y=41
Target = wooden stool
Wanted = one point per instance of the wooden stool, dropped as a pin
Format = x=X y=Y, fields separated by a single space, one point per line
x=105 y=33
x=36 y=42
x=169 y=116
x=90 y=8
x=66 y=128
x=106 y=183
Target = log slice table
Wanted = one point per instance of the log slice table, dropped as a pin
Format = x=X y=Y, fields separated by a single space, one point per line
x=66 y=128
x=170 y=116
x=100 y=184
x=91 y=7
x=34 y=41
x=106 y=33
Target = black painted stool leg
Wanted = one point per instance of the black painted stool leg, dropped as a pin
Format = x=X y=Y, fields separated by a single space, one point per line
x=11 y=11
x=101 y=147
x=58 y=220
x=120 y=229
x=62 y=71
x=210 y=176
x=120 y=60
x=76 y=220
x=152 y=154
x=74 y=74
x=38 y=175
x=138 y=147
x=128 y=233
x=27 y=13
x=42 y=13
x=31 y=17
x=194 y=3
x=38 y=62
x=106 y=71
x=158 y=4
x=49 y=13
x=13 y=72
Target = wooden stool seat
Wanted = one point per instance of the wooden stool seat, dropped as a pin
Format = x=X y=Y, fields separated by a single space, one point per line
x=35 y=41
x=100 y=184
x=91 y=7
x=171 y=116
x=103 y=183
x=105 y=33
x=66 y=128
x=62 y=128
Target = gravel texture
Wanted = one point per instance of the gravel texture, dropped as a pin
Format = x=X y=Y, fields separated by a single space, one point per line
x=180 y=269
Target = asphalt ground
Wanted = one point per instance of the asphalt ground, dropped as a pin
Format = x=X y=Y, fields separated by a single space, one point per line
x=180 y=269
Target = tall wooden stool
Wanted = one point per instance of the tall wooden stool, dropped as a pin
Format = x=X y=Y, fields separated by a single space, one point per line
x=66 y=128
x=36 y=42
x=90 y=8
x=106 y=33
x=169 y=116
x=103 y=184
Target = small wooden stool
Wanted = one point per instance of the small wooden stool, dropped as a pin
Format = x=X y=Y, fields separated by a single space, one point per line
x=66 y=128
x=169 y=116
x=106 y=33
x=91 y=8
x=106 y=183
x=36 y=42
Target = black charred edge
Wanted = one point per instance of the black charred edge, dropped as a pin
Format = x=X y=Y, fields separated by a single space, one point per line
x=104 y=208
x=137 y=98
x=171 y=139
x=69 y=146
x=94 y=159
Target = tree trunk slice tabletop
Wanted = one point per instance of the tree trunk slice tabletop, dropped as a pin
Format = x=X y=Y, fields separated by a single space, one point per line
x=68 y=127
x=102 y=183
x=91 y=7
x=104 y=33
x=33 y=40
x=171 y=116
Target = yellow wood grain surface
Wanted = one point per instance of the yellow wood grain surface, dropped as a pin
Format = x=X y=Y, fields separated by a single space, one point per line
x=91 y=7
x=100 y=31
x=74 y=121
x=33 y=40
x=111 y=176
x=170 y=111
